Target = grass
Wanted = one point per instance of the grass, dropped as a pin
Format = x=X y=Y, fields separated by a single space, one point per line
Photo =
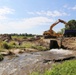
x=66 y=68
x=20 y=37
x=4 y=45
x=19 y=41
x=27 y=44
x=41 y=48
x=14 y=44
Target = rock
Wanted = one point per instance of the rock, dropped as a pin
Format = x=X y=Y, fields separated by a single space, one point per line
x=4 y=53
x=63 y=59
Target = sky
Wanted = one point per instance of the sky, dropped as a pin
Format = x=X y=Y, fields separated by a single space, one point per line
x=34 y=16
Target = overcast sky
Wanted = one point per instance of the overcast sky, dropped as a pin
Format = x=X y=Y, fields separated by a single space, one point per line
x=34 y=16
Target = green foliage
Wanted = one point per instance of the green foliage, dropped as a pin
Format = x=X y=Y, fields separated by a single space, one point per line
x=12 y=44
x=20 y=37
x=1 y=57
x=61 y=31
x=22 y=41
x=27 y=45
x=5 y=45
x=71 y=24
x=65 y=68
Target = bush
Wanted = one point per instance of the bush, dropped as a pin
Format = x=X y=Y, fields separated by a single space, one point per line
x=71 y=25
x=5 y=45
x=1 y=57
x=12 y=44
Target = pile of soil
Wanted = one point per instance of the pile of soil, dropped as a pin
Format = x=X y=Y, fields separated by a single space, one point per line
x=69 y=43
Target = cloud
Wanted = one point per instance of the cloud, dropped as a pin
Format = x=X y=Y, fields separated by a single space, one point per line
x=70 y=8
x=73 y=8
x=30 y=22
x=24 y=24
x=65 y=6
x=4 y=11
x=54 y=13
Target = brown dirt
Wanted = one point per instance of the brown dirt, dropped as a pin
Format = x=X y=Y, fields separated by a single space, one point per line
x=67 y=43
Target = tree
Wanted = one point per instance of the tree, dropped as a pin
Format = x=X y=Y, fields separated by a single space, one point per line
x=61 y=31
x=71 y=25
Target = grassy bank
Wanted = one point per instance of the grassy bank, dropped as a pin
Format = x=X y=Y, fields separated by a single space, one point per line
x=18 y=41
x=65 y=68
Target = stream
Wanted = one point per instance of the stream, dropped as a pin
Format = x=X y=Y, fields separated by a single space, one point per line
x=24 y=64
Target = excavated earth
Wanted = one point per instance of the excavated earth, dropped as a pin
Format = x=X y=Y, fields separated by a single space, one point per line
x=69 y=43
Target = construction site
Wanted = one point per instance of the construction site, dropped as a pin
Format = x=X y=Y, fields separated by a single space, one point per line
x=66 y=39
x=24 y=54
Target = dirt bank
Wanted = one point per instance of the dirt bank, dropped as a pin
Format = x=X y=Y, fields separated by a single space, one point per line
x=67 y=43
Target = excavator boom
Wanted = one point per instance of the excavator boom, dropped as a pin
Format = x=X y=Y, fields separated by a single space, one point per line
x=59 y=20
x=50 y=32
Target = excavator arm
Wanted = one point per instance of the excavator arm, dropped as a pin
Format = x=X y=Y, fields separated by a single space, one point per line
x=59 y=20
x=50 y=32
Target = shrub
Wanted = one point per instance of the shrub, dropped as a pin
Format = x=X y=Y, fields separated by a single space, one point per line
x=12 y=44
x=5 y=45
x=1 y=57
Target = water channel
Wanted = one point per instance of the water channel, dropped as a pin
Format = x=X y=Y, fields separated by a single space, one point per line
x=24 y=64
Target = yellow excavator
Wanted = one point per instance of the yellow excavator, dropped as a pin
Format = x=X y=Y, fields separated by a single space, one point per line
x=52 y=34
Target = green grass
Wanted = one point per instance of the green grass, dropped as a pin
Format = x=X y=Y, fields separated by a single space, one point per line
x=27 y=44
x=17 y=37
x=14 y=43
x=66 y=68
x=4 y=45
x=41 y=48
x=20 y=37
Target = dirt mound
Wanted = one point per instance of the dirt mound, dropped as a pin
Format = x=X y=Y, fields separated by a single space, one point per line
x=69 y=43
